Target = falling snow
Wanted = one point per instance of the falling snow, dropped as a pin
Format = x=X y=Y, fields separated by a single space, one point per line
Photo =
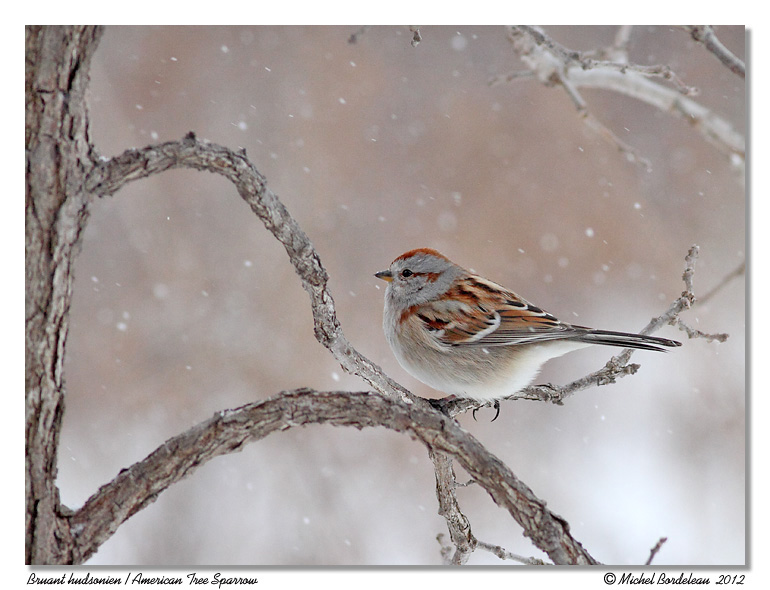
x=459 y=42
x=484 y=213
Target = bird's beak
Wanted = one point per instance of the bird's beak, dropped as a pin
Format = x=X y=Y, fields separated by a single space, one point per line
x=385 y=275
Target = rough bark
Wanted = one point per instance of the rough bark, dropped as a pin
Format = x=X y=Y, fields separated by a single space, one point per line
x=58 y=158
x=229 y=430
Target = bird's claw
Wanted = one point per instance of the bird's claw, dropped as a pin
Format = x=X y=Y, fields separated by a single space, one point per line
x=496 y=406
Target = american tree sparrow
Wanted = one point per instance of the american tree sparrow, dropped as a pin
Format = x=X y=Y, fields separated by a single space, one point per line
x=469 y=337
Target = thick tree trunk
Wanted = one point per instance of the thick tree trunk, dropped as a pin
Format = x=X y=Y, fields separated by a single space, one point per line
x=58 y=160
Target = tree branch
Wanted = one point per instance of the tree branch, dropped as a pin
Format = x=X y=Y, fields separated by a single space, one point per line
x=737 y=272
x=110 y=175
x=654 y=550
x=618 y=366
x=586 y=62
x=458 y=524
x=504 y=554
x=229 y=430
x=226 y=432
x=705 y=34
x=553 y=63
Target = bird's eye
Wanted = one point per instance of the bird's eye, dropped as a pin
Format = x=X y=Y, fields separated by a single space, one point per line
x=406 y=273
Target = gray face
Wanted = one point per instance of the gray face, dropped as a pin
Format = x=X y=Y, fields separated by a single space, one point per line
x=418 y=278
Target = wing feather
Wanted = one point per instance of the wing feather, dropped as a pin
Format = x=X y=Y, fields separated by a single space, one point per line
x=477 y=312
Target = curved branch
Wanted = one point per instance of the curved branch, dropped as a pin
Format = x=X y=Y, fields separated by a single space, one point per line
x=110 y=175
x=116 y=502
x=227 y=432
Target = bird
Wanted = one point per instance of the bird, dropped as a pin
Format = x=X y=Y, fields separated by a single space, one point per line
x=469 y=337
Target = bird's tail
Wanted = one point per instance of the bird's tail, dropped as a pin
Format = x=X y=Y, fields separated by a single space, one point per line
x=627 y=340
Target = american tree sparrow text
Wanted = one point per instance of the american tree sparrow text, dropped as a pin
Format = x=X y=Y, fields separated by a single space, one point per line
x=469 y=337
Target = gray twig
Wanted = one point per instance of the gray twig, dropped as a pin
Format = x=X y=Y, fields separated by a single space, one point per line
x=505 y=554
x=705 y=35
x=553 y=64
x=618 y=366
x=654 y=550
x=739 y=270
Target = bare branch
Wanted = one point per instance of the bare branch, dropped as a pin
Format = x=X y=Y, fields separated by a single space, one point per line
x=505 y=554
x=632 y=154
x=109 y=176
x=693 y=333
x=619 y=49
x=654 y=71
x=654 y=550
x=229 y=430
x=705 y=34
x=739 y=270
x=112 y=174
x=553 y=63
x=458 y=524
x=618 y=366
x=505 y=79
x=569 y=57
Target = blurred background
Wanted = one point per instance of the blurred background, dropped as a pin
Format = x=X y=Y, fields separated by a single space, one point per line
x=185 y=305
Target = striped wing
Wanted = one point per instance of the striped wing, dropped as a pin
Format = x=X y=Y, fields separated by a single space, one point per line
x=479 y=312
